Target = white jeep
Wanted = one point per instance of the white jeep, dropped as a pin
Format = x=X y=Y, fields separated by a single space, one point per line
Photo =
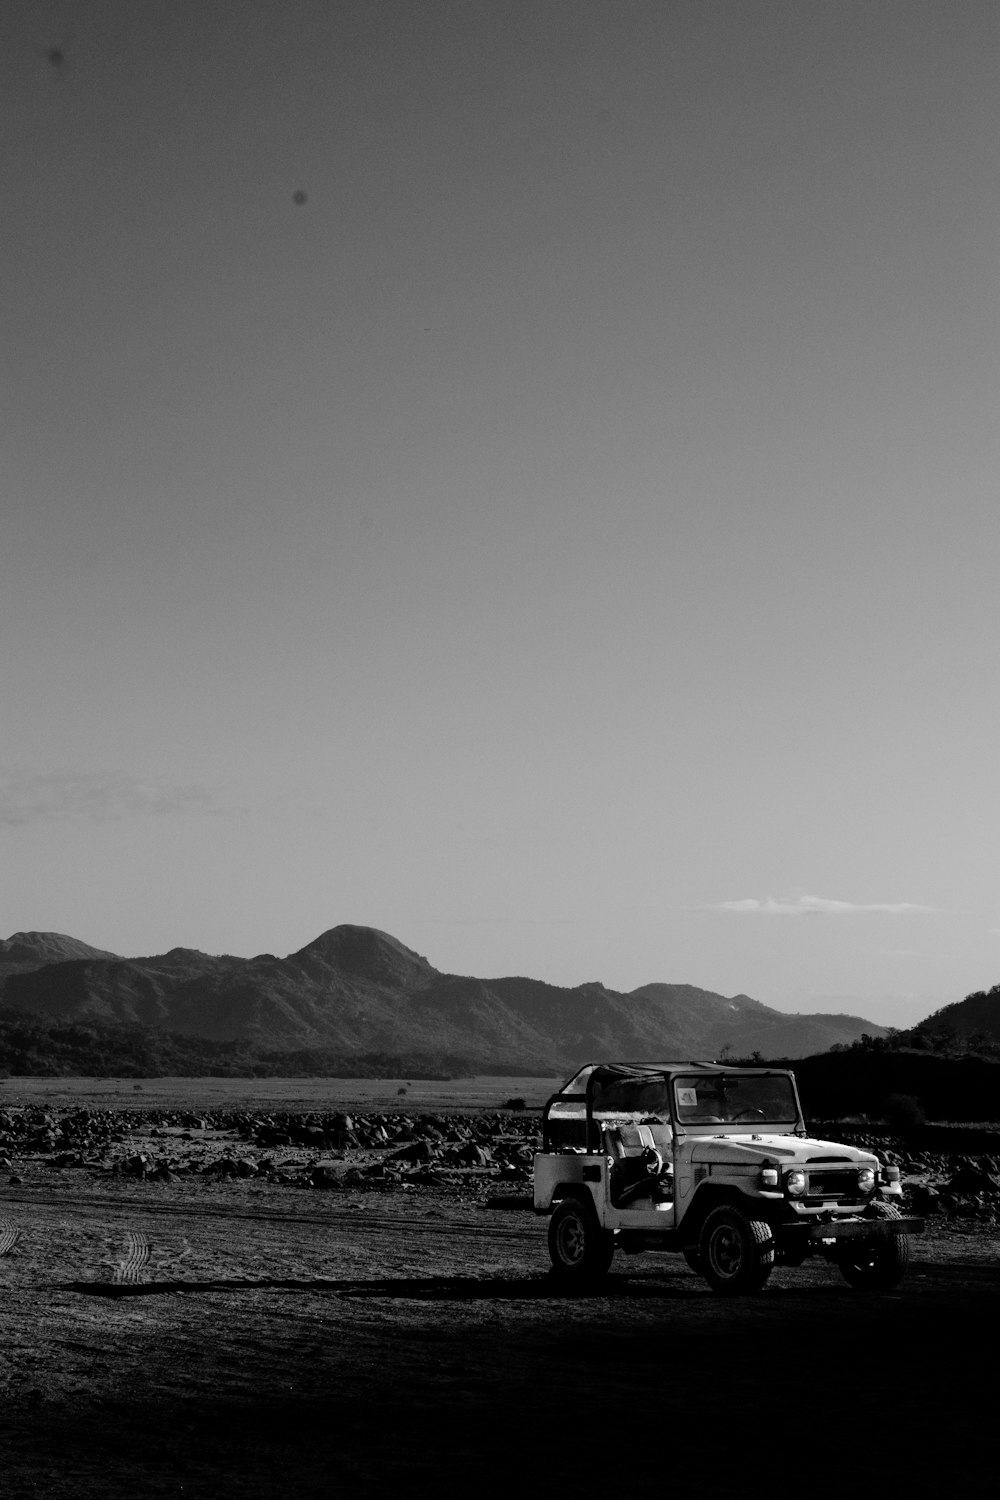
x=713 y=1162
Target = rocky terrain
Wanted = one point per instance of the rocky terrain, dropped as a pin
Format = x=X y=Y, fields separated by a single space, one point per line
x=476 y=1156
x=362 y=998
x=320 y=1151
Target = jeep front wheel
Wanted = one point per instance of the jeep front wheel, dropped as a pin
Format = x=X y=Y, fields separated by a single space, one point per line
x=581 y=1250
x=736 y=1253
x=876 y=1265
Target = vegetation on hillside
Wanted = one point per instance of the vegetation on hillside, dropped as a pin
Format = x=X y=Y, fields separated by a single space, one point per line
x=31 y=1046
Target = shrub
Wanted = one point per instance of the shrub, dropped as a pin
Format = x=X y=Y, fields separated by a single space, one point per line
x=903 y=1111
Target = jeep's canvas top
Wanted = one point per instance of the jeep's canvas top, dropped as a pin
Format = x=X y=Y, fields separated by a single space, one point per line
x=695 y=1096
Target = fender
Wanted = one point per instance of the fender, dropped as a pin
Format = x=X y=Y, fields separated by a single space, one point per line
x=572 y=1190
x=705 y=1198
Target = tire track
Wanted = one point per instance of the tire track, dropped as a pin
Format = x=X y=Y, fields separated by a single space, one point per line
x=416 y=1223
x=130 y=1270
x=10 y=1237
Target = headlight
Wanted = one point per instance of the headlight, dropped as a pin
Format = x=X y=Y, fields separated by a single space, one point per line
x=866 y=1179
x=795 y=1183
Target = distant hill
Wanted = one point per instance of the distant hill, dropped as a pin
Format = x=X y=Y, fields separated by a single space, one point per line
x=883 y=1083
x=355 y=992
x=741 y=1026
x=29 y=950
x=967 y=1025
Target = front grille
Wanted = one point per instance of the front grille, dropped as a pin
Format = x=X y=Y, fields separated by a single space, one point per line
x=832 y=1185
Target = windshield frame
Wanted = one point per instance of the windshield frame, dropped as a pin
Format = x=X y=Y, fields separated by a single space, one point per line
x=750 y=1117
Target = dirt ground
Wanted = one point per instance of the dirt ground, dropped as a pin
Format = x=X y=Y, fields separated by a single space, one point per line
x=224 y=1336
x=248 y=1339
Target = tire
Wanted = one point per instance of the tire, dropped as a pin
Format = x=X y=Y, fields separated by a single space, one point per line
x=736 y=1253
x=876 y=1265
x=693 y=1257
x=581 y=1251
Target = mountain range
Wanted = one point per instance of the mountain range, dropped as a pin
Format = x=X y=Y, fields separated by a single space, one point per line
x=358 y=992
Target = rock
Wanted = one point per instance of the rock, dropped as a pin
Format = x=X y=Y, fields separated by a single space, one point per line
x=223 y=1167
x=323 y=1176
x=969 y=1179
x=925 y=1199
x=419 y=1151
x=472 y=1155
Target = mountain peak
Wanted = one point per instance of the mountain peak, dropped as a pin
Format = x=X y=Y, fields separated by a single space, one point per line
x=47 y=948
x=367 y=953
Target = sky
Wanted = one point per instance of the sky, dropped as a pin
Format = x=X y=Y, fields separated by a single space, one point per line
x=519 y=474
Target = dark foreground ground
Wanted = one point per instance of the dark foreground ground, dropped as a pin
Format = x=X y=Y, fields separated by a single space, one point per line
x=296 y=1306
x=248 y=1340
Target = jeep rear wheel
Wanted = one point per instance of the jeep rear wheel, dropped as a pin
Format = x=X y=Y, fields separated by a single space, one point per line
x=581 y=1250
x=876 y=1265
x=736 y=1253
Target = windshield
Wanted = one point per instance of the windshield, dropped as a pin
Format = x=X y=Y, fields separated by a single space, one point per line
x=731 y=1099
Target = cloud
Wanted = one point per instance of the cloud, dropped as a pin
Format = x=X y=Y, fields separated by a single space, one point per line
x=44 y=796
x=815 y=906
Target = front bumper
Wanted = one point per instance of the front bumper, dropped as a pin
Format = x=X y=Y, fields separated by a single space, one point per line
x=850 y=1229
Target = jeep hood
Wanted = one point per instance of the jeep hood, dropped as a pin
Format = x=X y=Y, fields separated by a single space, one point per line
x=776 y=1148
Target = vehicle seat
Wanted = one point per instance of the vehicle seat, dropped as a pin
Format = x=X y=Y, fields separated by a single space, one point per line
x=659 y=1135
x=630 y=1182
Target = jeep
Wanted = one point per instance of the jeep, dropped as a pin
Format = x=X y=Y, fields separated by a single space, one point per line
x=712 y=1162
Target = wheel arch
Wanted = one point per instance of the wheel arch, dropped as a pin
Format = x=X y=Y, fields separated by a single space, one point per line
x=705 y=1199
x=564 y=1190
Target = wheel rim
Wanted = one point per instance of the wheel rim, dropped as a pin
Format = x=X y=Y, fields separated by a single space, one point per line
x=726 y=1251
x=571 y=1240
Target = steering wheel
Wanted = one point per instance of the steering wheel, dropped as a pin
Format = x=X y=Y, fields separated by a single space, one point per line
x=652 y=1161
x=744 y=1112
